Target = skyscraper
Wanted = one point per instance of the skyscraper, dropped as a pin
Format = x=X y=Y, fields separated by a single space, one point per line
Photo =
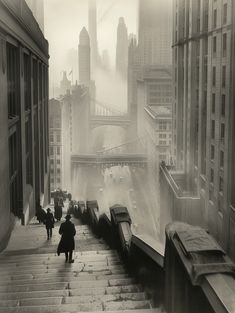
x=84 y=56
x=122 y=48
x=92 y=30
x=203 y=115
x=65 y=84
x=155 y=32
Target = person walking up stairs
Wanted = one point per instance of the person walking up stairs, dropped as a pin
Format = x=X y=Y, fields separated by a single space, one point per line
x=35 y=280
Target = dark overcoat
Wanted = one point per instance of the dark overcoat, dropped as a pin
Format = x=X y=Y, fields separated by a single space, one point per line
x=49 y=220
x=67 y=231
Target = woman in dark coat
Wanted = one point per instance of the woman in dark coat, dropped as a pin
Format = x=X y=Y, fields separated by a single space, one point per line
x=67 y=244
x=49 y=223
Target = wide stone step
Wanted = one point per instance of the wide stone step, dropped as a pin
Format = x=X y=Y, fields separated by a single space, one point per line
x=76 y=267
x=55 y=259
x=27 y=256
x=57 y=279
x=68 y=274
x=89 y=262
x=78 y=307
x=82 y=291
x=101 y=299
x=72 y=308
x=66 y=285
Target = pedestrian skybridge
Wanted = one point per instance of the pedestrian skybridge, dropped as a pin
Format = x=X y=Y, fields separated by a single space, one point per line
x=106 y=159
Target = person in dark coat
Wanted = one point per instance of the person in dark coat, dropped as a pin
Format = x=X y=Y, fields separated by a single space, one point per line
x=40 y=214
x=49 y=223
x=67 y=231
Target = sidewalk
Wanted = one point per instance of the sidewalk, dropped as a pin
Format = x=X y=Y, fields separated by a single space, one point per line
x=33 y=236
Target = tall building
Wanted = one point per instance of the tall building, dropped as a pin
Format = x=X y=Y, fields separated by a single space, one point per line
x=55 y=142
x=65 y=84
x=84 y=58
x=155 y=32
x=203 y=116
x=122 y=48
x=75 y=109
x=92 y=30
x=132 y=75
x=24 y=166
x=37 y=8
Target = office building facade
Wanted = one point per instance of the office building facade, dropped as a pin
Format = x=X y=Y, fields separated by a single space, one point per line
x=203 y=56
x=23 y=117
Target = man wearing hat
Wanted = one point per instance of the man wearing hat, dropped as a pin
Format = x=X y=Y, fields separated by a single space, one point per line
x=66 y=245
x=49 y=223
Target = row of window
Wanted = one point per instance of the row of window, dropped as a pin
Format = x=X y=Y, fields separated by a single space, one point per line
x=53 y=181
x=57 y=137
x=52 y=162
x=52 y=150
x=221 y=156
x=224 y=16
x=224 y=45
x=221 y=180
x=222 y=105
x=222 y=131
x=223 y=78
x=35 y=116
x=57 y=171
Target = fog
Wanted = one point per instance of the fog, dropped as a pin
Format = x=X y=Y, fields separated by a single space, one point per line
x=64 y=20
x=134 y=186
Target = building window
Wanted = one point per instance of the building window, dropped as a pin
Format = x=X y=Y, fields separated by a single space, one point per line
x=221 y=184
x=213 y=75
x=214 y=46
x=223 y=105
x=51 y=150
x=14 y=171
x=52 y=162
x=224 y=45
x=212 y=152
x=215 y=18
x=225 y=13
x=35 y=82
x=213 y=103
x=162 y=142
x=212 y=176
x=51 y=138
x=27 y=83
x=223 y=76
x=213 y=129
x=12 y=81
x=58 y=150
x=58 y=170
x=222 y=132
x=58 y=137
x=28 y=152
x=58 y=161
x=58 y=180
x=222 y=159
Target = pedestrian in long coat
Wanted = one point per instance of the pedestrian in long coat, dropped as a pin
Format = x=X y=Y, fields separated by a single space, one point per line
x=49 y=222
x=67 y=244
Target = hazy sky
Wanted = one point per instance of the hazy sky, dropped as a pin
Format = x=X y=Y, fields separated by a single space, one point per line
x=64 y=20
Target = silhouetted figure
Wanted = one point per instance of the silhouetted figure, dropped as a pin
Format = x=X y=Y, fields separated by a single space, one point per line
x=49 y=223
x=40 y=214
x=58 y=212
x=67 y=244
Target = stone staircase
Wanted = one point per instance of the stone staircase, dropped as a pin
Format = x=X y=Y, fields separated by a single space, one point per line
x=36 y=280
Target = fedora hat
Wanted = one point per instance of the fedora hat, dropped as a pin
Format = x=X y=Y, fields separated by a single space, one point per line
x=68 y=217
